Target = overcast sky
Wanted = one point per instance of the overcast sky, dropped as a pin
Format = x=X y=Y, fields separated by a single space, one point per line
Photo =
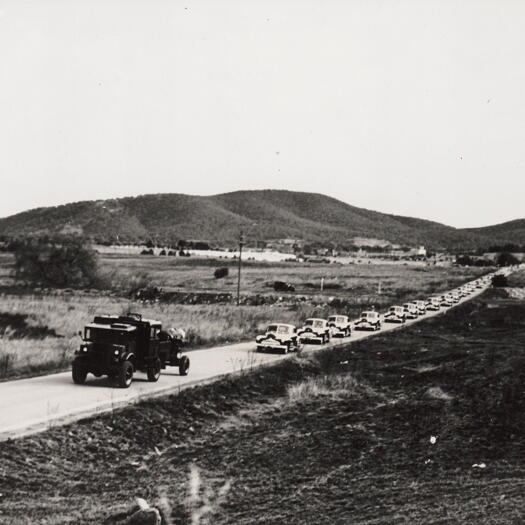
x=407 y=107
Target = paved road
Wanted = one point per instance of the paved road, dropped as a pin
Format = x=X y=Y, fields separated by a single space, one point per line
x=32 y=405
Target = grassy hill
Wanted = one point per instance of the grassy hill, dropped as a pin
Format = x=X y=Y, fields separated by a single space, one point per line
x=264 y=214
x=506 y=232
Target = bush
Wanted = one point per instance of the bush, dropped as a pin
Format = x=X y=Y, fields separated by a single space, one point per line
x=147 y=252
x=68 y=264
x=220 y=273
x=281 y=286
x=506 y=259
x=499 y=281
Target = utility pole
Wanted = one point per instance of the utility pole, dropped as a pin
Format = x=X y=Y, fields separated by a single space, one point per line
x=241 y=242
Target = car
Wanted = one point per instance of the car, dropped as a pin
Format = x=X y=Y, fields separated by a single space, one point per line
x=411 y=311
x=455 y=297
x=433 y=304
x=314 y=330
x=395 y=314
x=278 y=336
x=339 y=325
x=446 y=300
x=421 y=307
x=369 y=320
x=118 y=346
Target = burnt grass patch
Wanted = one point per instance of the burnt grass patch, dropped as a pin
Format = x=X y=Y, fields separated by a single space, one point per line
x=383 y=449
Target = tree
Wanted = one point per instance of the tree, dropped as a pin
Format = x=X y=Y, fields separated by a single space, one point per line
x=68 y=264
x=220 y=273
x=506 y=259
x=499 y=281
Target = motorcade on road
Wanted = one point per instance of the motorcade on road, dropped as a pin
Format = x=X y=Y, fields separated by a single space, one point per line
x=395 y=314
x=278 y=336
x=118 y=346
x=369 y=320
x=314 y=331
x=339 y=325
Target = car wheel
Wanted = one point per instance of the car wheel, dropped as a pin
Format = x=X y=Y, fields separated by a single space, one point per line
x=184 y=365
x=125 y=374
x=286 y=348
x=153 y=372
x=79 y=373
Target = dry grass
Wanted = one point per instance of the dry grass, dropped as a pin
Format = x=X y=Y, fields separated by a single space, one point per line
x=328 y=385
x=197 y=274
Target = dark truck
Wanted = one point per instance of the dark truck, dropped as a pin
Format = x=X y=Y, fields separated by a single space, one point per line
x=117 y=346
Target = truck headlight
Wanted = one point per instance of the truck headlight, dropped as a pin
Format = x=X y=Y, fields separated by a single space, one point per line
x=116 y=352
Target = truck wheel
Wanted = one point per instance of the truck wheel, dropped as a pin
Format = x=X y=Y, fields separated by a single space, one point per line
x=184 y=365
x=125 y=374
x=79 y=373
x=153 y=372
x=286 y=348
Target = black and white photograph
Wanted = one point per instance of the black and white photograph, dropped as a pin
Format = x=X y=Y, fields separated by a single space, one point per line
x=262 y=262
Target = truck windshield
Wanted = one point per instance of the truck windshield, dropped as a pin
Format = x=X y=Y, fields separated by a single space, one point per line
x=105 y=336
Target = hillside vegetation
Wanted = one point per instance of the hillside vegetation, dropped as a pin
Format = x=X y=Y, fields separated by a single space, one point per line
x=265 y=214
x=507 y=232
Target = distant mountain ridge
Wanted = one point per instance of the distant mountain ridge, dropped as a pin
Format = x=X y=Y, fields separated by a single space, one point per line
x=262 y=214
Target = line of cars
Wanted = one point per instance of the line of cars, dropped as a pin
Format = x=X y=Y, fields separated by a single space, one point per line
x=287 y=337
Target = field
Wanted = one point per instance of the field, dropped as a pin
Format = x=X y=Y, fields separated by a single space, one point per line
x=423 y=425
x=258 y=277
x=39 y=330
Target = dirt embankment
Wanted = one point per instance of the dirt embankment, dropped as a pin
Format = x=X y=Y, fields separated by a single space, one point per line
x=424 y=425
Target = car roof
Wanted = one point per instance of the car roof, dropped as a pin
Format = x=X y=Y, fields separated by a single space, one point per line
x=114 y=326
x=315 y=319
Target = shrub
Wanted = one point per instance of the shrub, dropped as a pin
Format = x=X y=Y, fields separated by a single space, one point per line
x=506 y=259
x=147 y=252
x=499 y=281
x=69 y=264
x=281 y=286
x=220 y=273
